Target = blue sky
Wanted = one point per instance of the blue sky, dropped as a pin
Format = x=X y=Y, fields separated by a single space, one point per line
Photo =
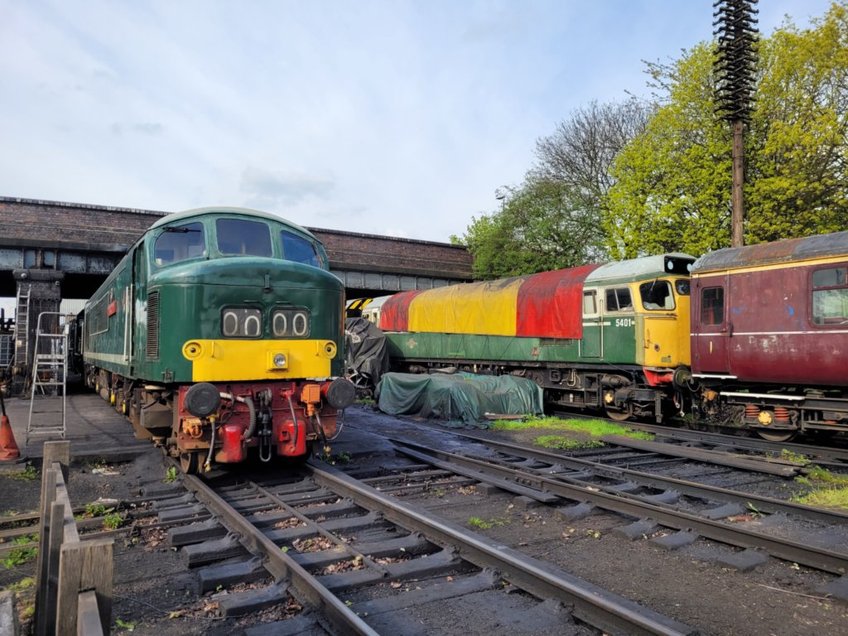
x=386 y=117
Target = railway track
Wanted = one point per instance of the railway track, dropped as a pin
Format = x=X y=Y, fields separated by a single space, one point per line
x=834 y=457
x=360 y=561
x=580 y=487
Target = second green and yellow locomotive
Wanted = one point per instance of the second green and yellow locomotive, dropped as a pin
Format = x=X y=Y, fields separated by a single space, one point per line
x=220 y=334
x=611 y=336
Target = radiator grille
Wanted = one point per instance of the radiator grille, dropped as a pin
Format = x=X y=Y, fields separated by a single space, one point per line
x=153 y=324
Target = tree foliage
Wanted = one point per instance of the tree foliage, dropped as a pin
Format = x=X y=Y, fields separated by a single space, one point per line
x=672 y=182
x=541 y=226
x=555 y=218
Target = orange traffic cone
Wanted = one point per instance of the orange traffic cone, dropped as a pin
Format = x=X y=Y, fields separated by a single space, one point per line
x=8 y=448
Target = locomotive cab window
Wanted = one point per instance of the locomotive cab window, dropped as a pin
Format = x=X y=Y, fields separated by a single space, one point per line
x=245 y=238
x=179 y=243
x=590 y=304
x=830 y=296
x=656 y=295
x=682 y=287
x=619 y=299
x=712 y=306
x=298 y=249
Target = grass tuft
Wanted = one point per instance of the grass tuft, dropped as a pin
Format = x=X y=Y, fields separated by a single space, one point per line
x=592 y=428
x=826 y=489
x=483 y=524
x=30 y=473
x=566 y=443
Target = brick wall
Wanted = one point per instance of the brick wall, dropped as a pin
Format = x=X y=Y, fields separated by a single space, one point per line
x=50 y=224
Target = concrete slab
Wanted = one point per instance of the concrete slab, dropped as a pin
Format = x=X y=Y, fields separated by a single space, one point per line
x=727 y=510
x=676 y=540
x=744 y=561
x=488 y=489
x=94 y=429
x=637 y=530
x=665 y=497
x=838 y=588
x=525 y=503
x=578 y=511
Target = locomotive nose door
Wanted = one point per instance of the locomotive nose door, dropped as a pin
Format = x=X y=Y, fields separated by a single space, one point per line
x=711 y=329
x=590 y=345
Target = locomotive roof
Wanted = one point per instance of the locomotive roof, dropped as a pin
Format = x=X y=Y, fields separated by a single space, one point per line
x=640 y=267
x=786 y=251
x=187 y=214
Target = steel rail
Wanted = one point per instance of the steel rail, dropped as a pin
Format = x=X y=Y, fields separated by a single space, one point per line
x=718 y=458
x=693 y=489
x=837 y=457
x=278 y=563
x=593 y=605
x=810 y=556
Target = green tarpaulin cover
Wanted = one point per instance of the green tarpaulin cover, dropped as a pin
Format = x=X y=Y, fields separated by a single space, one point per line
x=458 y=396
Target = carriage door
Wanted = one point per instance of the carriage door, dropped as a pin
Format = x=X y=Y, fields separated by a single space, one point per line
x=591 y=344
x=710 y=326
x=137 y=291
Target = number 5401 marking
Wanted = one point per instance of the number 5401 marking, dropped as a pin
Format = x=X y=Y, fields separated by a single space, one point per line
x=624 y=322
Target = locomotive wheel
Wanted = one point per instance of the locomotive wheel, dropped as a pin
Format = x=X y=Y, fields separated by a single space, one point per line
x=189 y=462
x=618 y=416
x=775 y=436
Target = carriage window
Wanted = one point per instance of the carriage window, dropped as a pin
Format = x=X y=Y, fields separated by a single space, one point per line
x=830 y=296
x=656 y=295
x=245 y=238
x=619 y=300
x=712 y=305
x=298 y=249
x=179 y=243
x=590 y=307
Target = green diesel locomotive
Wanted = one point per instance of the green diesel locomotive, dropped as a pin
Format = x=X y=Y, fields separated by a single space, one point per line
x=220 y=334
x=606 y=337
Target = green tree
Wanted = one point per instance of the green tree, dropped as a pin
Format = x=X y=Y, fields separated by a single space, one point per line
x=671 y=188
x=540 y=227
x=554 y=219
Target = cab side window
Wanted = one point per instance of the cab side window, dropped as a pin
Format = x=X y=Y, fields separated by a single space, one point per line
x=619 y=299
x=712 y=306
x=830 y=296
x=298 y=249
x=656 y=295
x=179 y=243
x=590 y=304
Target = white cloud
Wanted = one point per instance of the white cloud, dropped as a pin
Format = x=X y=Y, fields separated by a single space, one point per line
x=373 y=116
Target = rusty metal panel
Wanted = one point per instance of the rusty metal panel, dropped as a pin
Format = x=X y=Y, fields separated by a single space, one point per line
x=11 y=258
x=102 y=264
x=787 y=251
x=72 y=262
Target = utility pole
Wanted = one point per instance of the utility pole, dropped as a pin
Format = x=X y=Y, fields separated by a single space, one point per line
x=736 y=58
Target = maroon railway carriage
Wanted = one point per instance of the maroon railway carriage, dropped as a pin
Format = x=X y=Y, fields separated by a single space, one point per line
x=770 y=335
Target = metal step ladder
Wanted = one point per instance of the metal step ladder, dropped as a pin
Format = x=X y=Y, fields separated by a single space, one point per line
x=22 y=326
x=47 y=406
